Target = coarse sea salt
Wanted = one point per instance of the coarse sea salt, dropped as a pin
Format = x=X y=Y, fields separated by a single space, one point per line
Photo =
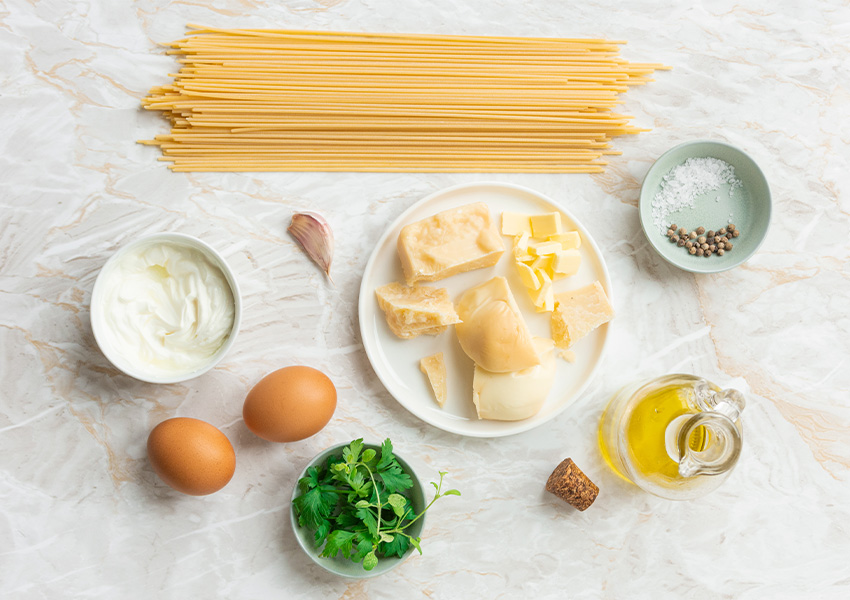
x=684 y=183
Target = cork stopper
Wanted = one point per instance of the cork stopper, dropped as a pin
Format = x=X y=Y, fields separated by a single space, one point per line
x=568 y=483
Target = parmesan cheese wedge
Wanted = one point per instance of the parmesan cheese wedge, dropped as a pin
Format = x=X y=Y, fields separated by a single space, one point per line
x=434 y=368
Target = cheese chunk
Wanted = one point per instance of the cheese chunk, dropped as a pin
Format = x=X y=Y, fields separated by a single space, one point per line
x=569 y=240
x=546 y=224
x=516 y=395
x=567 y=262
x=515 y=224
x=413 y=311
x=434 y=368
x=493 y=332
x=453 y=241
x=579 y=312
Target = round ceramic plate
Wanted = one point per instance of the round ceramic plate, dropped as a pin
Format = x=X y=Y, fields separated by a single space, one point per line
x=396 y=361
x=747 y=206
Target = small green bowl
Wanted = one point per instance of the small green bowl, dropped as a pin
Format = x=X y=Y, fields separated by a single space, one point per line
x=748 y=207
x=342 y=566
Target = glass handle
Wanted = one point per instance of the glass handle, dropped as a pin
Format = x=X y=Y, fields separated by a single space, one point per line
x=709 y=443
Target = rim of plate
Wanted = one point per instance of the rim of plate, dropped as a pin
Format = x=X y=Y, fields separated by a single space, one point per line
x=367 y=295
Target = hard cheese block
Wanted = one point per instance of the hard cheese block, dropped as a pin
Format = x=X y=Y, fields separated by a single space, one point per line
x=579 y=312
x=434 y=368
x=453 y=241
x=413 y=311
x=493 y=332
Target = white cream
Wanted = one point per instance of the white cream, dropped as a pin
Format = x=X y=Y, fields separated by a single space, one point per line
x=166 y=309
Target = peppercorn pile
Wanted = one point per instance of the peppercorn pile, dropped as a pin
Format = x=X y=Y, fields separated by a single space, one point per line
x=704 y=243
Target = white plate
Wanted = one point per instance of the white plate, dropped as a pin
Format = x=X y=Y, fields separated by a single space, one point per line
x=396 y=361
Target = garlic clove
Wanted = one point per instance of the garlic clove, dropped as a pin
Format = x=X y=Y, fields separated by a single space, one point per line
x=314 y=234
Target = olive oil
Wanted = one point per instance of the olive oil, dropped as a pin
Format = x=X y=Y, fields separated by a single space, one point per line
x=641 y=435
x=647 y=427
x=645 y=433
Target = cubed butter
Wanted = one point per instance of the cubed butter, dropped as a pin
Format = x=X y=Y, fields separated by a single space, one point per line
x=544 y=263
x=453 y=241
x=434 y=368
x=521 y=241
x=544 y=248
x=567 y=262
x=579 y=312
x=538 y=296
x=515 y=223
x=569 y=240
x=546 y=224
x=413 y=311
x=528 y=276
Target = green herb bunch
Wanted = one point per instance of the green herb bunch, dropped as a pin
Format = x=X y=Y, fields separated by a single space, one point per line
x=356 y=504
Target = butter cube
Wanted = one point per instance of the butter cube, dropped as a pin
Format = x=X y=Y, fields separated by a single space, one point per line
x=543 y=248
x=579 y=312
x=569 y=240
x=544 y=263
x=528 y=276
x=454 y=241
x=544 y=298
x=515 y=223
x=523 y=257
x=545 y=225
x=521 y=241
x=567 y=262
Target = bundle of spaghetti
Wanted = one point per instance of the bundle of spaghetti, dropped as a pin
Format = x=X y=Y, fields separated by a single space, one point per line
x=277 y=100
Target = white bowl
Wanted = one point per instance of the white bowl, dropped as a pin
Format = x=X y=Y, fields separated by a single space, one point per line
x=100 y=328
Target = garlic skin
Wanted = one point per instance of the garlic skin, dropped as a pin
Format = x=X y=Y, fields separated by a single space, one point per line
x=314 y=234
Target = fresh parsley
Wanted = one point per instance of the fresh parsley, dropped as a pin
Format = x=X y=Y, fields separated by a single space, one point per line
x=357 y=505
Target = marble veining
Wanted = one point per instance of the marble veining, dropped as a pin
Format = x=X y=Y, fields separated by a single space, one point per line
x=83 y=515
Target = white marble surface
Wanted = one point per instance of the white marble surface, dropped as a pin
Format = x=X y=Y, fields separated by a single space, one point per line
x=83 y=516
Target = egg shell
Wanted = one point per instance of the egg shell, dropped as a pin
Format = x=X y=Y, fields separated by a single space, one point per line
x=290 y=404
x=191 y=456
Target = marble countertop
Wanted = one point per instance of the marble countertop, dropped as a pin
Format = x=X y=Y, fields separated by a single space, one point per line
x=83 y=516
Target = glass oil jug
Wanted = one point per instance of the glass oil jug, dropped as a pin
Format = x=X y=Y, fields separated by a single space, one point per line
x=677 y=436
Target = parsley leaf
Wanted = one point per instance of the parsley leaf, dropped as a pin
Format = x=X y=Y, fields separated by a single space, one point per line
x=387 y=455
x=339 y=541
x=395 y=480
x=357 y=504
x=397 y=547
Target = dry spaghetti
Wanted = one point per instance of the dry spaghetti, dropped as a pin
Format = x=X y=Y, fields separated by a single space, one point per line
x=271 y=100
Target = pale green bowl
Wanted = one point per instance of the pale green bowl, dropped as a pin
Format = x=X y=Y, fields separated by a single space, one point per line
x=341 y=566
x=750 y=207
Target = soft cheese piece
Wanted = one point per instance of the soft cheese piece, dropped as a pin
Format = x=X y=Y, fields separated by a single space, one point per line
x=516 y=395
x=579 y=312
x=413 y=311
x=434 y=368
x=453 y=241
x=493 y=332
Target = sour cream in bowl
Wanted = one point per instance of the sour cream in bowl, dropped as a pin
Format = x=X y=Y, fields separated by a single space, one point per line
x=165 y=308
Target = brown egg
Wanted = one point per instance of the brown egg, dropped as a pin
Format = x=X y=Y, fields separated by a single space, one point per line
x=191 y=456
x=290 y=404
